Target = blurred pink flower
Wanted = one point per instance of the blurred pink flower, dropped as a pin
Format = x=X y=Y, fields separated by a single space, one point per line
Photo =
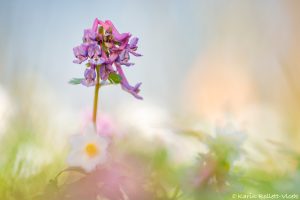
x=106 y=126
x=122 y=179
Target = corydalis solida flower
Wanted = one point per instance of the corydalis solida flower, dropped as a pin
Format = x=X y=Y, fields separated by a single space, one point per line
x=105 y=51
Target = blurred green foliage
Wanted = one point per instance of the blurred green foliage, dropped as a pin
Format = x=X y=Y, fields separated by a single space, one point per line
x=212 y=176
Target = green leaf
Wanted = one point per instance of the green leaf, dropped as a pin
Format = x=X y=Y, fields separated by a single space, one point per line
x=75 y=81
x=114 y=78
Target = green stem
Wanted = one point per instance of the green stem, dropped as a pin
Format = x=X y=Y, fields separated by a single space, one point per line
x=69 y=169
x=97 y=87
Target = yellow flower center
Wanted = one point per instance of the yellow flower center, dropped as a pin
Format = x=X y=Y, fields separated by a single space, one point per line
x=91 y=150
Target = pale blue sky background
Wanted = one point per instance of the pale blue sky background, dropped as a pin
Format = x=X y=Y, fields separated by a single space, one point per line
x=38 y=37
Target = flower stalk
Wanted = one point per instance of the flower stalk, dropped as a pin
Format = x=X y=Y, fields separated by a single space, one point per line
x=96 y=94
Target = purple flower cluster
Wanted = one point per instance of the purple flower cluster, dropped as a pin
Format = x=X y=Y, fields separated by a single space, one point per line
x=105 y=51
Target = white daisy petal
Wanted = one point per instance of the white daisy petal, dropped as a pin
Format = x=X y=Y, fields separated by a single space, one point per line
x=88 y=151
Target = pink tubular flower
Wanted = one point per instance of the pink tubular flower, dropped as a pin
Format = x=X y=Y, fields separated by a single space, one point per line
x=134 y=90
x=106 y=49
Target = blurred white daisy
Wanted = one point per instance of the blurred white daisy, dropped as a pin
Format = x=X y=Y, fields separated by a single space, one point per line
x=6 y=110
x=30 y=160
x=88 y=150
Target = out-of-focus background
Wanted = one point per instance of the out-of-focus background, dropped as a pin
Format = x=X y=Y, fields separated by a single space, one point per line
x=204 y=62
